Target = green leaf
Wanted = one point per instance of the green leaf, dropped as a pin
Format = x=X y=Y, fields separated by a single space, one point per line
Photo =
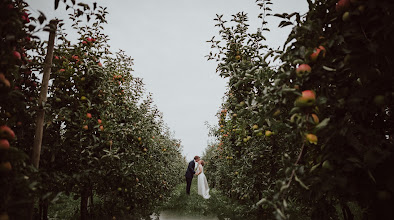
x=284 y=23
x=56 y=4
x=281 y=15
x=314 y=167
x=329 y=69
x=322 y=124
x=298 y=61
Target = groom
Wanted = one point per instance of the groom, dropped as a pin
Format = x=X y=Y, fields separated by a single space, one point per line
x=190 y=173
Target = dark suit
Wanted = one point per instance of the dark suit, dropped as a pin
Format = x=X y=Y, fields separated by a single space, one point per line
x=189 y=175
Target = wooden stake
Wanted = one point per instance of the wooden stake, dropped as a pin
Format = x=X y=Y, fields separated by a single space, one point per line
x=43 y=95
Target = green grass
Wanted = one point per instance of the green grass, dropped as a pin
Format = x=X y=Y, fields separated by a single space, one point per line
x=194 y=205
x=356 y=210
x=177 y=204
x=64 y=208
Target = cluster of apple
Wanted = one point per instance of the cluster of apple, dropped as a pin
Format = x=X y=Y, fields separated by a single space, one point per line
x=99 y=121
x=308 y=97
x=88 y=41
x=222 y=121
x=25 y=17
x=223 y=114
x=18 y=53
x=6 y=135
x=118 y=79
x=343 y=6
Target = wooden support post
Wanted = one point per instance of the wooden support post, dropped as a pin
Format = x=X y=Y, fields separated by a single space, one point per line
x=43 y=95
x=36 y=151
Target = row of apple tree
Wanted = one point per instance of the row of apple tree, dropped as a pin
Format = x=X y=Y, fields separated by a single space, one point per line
x=306 y=133
x=102 y=135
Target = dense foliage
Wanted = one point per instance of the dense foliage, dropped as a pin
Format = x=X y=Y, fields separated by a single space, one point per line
x=103 y=137
x=311 y=138
x=18 y=93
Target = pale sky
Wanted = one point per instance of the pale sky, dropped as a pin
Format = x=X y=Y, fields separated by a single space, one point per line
x=167 y=39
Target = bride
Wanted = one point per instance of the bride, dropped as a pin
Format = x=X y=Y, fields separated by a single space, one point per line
x=202 y=184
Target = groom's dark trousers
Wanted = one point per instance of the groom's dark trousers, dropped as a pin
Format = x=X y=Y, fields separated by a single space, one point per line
x=189 y=176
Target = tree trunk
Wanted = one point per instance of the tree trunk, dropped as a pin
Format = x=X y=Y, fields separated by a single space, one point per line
x=43 y=209
x=84 y=204
x=40 y=207
x=90 y=202
x=45 y=206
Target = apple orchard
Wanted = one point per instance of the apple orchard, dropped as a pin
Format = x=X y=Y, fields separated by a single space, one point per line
x=308 y=138
x=101 y=130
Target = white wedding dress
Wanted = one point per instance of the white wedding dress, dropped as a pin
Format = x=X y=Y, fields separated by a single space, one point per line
x=202 y=184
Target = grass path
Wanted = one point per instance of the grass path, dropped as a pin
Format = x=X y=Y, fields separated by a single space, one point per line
x=194 y=207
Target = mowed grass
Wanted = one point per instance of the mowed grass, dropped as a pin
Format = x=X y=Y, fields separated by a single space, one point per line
x=178 y=206
x=194 y=205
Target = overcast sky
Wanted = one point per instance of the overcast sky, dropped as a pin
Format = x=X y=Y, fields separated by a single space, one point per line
x=167 y=39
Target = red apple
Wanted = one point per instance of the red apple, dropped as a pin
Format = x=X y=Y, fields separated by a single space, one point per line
x=85 y=127
x=4 y=144
x=88 y=115
x=25 y=18
x=5 y=166
x=307 y=99
x=101 y=128
x=316 y=53
x=6 y=132
x=16 y=55
x=309 y=94
x=62 y=70
x=303 y=69
x=99 y=121
x=342 y=5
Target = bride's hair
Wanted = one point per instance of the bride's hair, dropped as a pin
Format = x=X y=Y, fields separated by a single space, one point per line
x=202 y=162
